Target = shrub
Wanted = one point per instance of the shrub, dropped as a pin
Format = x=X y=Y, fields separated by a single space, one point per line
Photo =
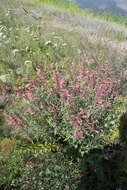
x=78 y=105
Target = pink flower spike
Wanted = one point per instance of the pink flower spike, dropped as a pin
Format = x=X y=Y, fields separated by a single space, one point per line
x=61 y=82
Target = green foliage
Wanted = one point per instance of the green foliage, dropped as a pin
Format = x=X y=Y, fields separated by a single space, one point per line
x=23 y=147
x=7 y=146
x=2 y=119
x=37 y=170
x=49 y=171
x=4 y=129
x=15 y=163
x=11 y=168
x=113 y=137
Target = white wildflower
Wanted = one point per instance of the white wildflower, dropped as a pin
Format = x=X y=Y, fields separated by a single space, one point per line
x=4 y=36
x=64 y=44
x=15 y=51
x=28 y=62
x=5 y=78
x=55 y=45
x=48 y=42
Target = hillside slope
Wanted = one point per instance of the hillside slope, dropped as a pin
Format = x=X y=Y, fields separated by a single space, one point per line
x=97 y=31
x=63 y=89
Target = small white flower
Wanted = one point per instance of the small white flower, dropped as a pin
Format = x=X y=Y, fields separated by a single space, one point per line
x=28 y=62
x=55 y=45
x=5 y=78
x=4 y=36
x=15 y=51
x=47 y=54
x=48 y=42
x=64 y=44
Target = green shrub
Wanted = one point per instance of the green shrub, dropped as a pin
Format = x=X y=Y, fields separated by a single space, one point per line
x=49 y=171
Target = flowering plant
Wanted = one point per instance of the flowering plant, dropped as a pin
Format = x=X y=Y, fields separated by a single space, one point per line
x=77 y=106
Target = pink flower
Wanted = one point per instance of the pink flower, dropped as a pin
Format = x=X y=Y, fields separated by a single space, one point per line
x=51 y=93
x=61 y=83
x=83 y=70
x=70 y=122
x=31 y=110
x=100 y=92
x=55 y=77
x=76 y=85
x=76 y=125
x=16 y=128
x=9 y=121
x=41 y=74
x=29 y=95
x=15 y=120
x=80 y=122
x=91 y=80
x=78 y=134
x=64 y=93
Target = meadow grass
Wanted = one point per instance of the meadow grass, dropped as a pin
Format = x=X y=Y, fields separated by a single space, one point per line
x=74 y=8
x=88 y=25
